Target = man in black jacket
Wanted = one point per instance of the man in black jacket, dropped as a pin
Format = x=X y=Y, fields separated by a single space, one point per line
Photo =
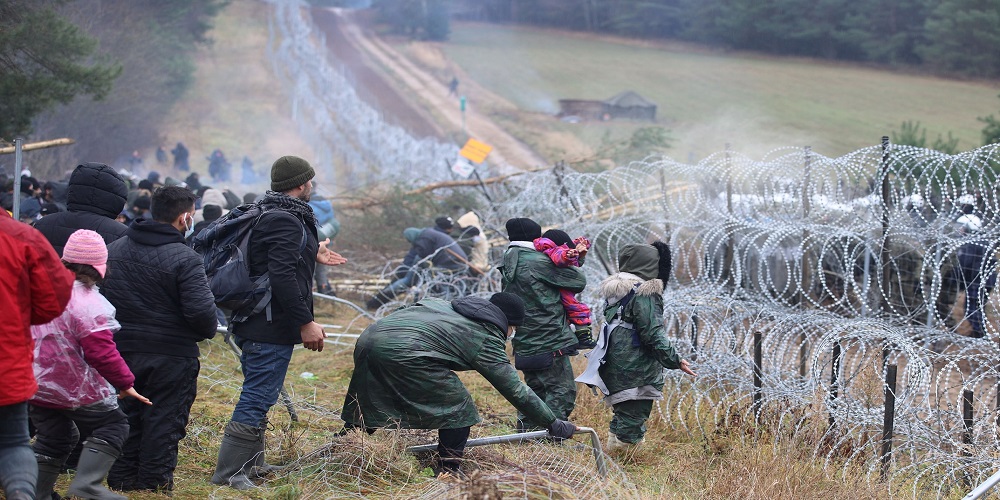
x=94 y=198
x=284 y=245
x=165 y=306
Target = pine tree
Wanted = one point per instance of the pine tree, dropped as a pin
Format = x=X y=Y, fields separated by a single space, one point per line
x=44 y=60
x=962 y=36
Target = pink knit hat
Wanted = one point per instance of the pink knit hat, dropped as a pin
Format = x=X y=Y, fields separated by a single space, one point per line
x=87 y=247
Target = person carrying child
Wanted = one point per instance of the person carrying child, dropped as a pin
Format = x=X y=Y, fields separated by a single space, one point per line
x=76 y=364
x=566 y=252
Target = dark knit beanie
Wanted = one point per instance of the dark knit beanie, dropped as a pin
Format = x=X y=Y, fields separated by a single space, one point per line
x=511 y=305
x=143 y=202
x=444 y=223
x=146 y=184
x=559 y=237
x=523 y=229
x=49 y=208
x=289 y=172
x=211 y=212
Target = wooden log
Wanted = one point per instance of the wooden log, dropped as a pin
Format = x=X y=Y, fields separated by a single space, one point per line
x=39 y=145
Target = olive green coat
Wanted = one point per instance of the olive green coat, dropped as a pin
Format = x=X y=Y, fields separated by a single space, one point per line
x=404 y=367
x=531 y=275
x=627 y=366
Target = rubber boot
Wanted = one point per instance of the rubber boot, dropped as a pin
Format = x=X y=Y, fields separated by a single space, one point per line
x=617 y=444
x=379 y=299
x=260 y=467
x=48 y=473
x=240 y=447
x=96 y=460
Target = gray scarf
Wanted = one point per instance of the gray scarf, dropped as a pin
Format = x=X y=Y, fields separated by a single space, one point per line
x=281 y=201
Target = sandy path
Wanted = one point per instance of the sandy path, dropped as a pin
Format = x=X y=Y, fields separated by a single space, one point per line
x=508 y=150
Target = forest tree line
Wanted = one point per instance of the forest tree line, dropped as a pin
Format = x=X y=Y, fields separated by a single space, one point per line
x=104 y=72
x=953 y=37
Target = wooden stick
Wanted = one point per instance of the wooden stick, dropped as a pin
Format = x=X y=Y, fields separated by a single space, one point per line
x=39 y=145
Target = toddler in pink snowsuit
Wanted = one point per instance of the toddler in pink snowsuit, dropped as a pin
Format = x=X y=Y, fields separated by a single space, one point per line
x=80 y=374
x=566 y=252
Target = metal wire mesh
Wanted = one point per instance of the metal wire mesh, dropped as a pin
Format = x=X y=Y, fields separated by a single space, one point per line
x=859 y=255
x=341 y=127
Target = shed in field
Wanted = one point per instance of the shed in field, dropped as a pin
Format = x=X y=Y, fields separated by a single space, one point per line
x=628 y=105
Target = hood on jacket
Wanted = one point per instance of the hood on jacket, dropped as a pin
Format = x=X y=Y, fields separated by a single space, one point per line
x=411 y=234
x=213 y=197
x=59 y=192
x=480 y=309
x=640 y=260
x=323 y=210
x=96 y=188
x=470 y=219
x=617 y=286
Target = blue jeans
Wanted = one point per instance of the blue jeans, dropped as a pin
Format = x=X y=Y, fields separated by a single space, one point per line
x=264 y=366
x=18 y=468
x=401 y=284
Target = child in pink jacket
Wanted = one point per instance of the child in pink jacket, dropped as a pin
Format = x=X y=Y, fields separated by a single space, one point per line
x=565 y=252
x=80 y=375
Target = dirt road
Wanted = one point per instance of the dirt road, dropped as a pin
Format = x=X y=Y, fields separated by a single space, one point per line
x=422 y=89
x=369 y=83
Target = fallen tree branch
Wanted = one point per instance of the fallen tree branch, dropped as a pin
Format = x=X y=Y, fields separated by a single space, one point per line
x=38 y=145
x=370 y=201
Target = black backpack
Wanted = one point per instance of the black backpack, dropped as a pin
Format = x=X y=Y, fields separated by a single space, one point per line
x=223 y=246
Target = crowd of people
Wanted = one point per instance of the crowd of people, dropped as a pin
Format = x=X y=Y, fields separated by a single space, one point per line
x=101 y=309
x=111 y=281
x=108 y=302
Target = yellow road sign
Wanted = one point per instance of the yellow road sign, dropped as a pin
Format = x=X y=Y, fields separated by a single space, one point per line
x=475 y=151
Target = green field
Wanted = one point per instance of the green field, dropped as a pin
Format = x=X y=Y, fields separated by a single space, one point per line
x=707 y=99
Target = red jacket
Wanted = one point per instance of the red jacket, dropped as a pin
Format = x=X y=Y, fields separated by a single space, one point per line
x=34 y=289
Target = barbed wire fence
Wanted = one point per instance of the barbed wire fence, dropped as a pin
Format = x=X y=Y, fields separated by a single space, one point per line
x=844 y=267
x=343 y=129
x=802 y=286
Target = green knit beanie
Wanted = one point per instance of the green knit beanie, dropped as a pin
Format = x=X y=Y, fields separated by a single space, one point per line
x=290 y=172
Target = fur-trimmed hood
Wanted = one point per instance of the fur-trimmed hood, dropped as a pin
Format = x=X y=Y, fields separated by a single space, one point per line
x=617 y=286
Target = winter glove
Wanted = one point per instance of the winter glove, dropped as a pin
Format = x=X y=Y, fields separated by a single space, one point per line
x=561 y=429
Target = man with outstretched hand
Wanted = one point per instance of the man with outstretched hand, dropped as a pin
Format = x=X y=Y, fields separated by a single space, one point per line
x=284 y=245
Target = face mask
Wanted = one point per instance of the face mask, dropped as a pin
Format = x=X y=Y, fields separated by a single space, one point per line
x=189 y=229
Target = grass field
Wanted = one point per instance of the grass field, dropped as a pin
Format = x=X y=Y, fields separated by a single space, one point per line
x=707 y=99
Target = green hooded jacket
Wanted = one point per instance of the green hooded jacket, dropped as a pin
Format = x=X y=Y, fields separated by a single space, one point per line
x=531 y=275
x=404 y=367
x=636 y=358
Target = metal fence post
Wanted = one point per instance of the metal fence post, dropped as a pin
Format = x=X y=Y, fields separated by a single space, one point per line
x=889 y=417
x=834 y=369
x=758 y=382
x=967 y=399
x=18 y=161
